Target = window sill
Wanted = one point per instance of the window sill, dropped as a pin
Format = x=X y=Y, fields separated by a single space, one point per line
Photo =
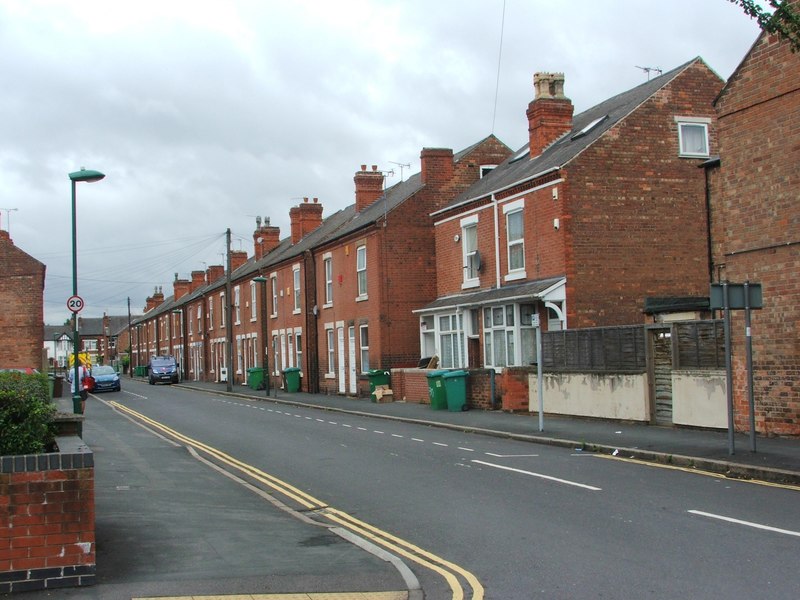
x=362 y=298
x=328 y=305
x=296 y=311
x=685 y=155
x=330 y=376
x=515 y=276
x=472 y=283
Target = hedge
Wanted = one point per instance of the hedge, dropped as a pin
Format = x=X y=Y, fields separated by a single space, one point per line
x=26 y=414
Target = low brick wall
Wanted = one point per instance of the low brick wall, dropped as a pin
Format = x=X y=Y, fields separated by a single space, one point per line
x=47 y=535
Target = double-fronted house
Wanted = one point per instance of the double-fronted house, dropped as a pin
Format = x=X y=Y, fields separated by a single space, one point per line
x=596 y=214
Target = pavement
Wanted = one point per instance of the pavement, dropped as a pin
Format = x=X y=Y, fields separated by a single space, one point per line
x=169 y=526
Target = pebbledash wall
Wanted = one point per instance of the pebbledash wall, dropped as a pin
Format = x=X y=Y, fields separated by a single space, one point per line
x=47 y=519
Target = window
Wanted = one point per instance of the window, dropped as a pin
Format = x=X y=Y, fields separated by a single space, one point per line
x=298 y=348
x=189 y=317
x=451 y=341
x=253 y=303
x=516 y=242
x=363 y=333
x=273 y=284
x=276 y=356
x=328 y=281
x=693 y=136
x=222 y=309
x=296 y=284
x=331 y=352
x=211 y=313
x=527 y=333
x=237 y=313
x=472 y=265
x=499 y=342
x=361 y=270
x=486 y=169
x=199 y=318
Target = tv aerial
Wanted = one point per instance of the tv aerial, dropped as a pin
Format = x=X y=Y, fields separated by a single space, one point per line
x=649 y=69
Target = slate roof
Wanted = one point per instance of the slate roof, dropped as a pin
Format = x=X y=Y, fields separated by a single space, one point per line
x=527 y=290
x=340 y=224
x=519 y=168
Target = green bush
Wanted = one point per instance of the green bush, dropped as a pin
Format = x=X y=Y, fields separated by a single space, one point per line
x=26 y=414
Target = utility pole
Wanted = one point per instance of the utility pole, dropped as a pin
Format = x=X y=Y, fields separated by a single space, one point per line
x=228 y=313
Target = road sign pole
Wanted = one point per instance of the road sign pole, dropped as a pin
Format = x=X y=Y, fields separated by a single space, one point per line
x=749 y=350
x=728 y=366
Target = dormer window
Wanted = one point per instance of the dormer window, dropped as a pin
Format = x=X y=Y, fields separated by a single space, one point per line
x=486 y=169
x=693 y=136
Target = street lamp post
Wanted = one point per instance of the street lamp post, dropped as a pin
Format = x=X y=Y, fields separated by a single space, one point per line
x=87 y=176
x=264 y=346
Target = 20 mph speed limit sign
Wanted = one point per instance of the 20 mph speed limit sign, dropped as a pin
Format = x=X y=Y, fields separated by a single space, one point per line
x=75 y=304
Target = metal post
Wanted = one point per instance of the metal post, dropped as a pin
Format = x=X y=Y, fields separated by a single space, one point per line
x=728 y=366
x=540 y=375
x=228 y=315
x=76 y=395
x=749 y=351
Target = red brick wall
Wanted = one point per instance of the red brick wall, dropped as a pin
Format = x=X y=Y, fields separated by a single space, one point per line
x=756 y=227
x=22 y=316
x=638 y=216
x=47 y=537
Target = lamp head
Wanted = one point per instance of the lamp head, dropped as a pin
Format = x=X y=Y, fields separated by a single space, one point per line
x=260 y=279
x=86 y=175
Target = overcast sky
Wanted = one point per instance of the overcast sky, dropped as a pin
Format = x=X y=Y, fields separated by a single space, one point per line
x=205 y=114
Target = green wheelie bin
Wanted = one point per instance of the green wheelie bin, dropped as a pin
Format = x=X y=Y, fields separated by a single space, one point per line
x=255 y=378
x=455 y=384
x=377 y=377
x=292 y=376
x=436 y=389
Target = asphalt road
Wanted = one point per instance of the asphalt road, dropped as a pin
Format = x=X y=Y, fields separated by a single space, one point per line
x=516 y=520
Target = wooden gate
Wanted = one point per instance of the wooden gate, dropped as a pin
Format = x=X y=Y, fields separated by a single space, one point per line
x=661 y=386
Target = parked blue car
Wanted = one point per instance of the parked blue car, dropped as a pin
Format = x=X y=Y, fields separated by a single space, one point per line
x=106 y=379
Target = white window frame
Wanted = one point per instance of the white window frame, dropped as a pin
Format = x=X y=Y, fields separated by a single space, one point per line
x=330 y=337
x=273 y=284
x=253 y=302
x=361 y=271
x=694 y=122
x=363 y=335
x=503 y=329
x=210 y=313
x=298 y=348
x=296 y=290
x=222 y=309
x=471 y=272
x=451 y=337
x=327 y=261
x=199 y=318
x=237 y=311
x=511 y=210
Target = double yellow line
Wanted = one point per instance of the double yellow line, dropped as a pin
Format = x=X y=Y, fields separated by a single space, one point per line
x=449 y=571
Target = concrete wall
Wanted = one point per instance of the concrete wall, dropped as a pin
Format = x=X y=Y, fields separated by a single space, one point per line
x=699 y=398
x=622 y=397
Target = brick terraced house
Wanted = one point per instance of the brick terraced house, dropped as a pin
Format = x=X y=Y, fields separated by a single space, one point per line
x=22 y=298
x=755 y=208
x=339 y=292
x=594 y=215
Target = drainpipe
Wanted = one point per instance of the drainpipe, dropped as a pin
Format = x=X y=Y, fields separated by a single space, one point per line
x=492 y=388
x=496 y=242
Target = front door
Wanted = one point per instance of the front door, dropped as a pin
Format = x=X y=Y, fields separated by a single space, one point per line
x=351 y=366
x=340 y=353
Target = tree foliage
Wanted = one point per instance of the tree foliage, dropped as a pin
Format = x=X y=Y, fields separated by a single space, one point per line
x=784 y=20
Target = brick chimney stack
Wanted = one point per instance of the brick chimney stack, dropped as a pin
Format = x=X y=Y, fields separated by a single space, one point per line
x=180 y=287
x=369 y=186
x=266 y=238
x=155 y=300
x=238 y=258
x=305 y=218
x=550 y=112
x=198 y=280
x=437 y=172
x=214 y=273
